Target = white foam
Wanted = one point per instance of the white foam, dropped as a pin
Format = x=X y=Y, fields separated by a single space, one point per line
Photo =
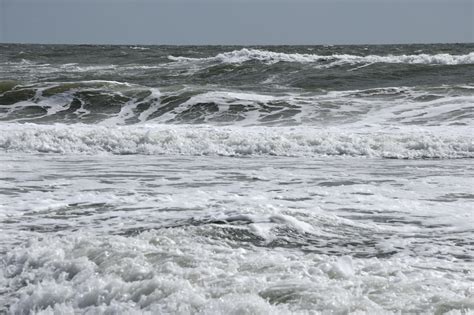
x=237 y=141
x=294 y=223
x=245 y=54
x=175 y=271
x=262 y=234
x=341 y=268
x=139 y=48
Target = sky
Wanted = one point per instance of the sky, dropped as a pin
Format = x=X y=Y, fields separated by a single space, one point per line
x=239 y=22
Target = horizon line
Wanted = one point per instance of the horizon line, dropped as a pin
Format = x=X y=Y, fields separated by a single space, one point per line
x=240 y=45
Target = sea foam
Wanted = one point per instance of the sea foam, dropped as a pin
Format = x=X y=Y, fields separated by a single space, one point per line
x=235 y=141
x=181 y=273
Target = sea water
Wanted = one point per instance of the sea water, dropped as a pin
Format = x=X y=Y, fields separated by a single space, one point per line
x=236 y=180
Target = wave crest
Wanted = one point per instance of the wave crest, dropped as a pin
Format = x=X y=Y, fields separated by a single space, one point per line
x=231 y=141
x=270 y=57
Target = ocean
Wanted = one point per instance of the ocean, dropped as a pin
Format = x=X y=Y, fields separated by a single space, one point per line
x=237 y=180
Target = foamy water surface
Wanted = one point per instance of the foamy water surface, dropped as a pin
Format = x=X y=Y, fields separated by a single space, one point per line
x=236 y=180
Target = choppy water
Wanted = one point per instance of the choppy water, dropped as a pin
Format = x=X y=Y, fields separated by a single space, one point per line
x=246 y=180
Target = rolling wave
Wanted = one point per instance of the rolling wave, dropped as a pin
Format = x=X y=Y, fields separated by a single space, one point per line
x=116 y=103
x=235 y=141
x=270 y=57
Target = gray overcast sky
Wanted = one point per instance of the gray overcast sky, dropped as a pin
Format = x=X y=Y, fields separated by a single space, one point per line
x=236 y=21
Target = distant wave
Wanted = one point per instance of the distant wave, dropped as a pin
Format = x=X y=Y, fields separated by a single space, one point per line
x=270 y=57
x=234 y=141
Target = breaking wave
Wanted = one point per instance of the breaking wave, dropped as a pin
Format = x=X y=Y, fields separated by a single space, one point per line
x=116 y=103
x=270 y=57
x=233 y=141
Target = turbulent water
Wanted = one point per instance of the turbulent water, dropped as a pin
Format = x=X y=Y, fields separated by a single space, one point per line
x=237 y=180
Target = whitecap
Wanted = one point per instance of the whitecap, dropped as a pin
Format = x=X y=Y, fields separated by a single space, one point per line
x=237 y=141
x=270 y=57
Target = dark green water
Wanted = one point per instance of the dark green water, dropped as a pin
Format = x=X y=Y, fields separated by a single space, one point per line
x=93 y=83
